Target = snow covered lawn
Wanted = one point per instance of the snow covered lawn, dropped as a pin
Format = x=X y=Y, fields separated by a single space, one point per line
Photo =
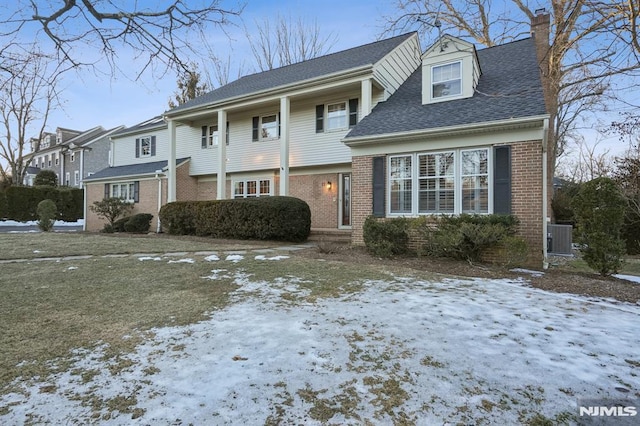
x=405 y=349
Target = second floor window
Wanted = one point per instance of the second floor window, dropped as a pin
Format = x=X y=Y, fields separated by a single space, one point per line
x=146 y=146
x=266 y=127
x=446 y=80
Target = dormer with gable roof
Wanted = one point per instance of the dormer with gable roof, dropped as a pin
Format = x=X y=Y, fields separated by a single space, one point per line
x=450 y=70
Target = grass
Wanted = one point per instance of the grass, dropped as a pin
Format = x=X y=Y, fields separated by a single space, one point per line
x=630 y=266
x=50 y=308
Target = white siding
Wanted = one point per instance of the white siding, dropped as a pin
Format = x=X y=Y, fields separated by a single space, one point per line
x=189 y=144
x=124 y=148
x=392 y=70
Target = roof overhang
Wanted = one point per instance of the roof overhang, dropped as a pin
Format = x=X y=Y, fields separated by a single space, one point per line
x=291 y=89
x=450 y=131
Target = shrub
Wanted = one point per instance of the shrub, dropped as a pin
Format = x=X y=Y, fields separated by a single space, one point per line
x=266 y=218
x=111 y=209
x=118 y=225
x=47 y=212
x=138 y=223
x=599 y=209
x=3 y=205
x=22 y=202
x=467 y=236
x=46 y=178
x=386 y=238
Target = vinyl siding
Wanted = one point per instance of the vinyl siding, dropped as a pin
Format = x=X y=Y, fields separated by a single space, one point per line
x=124 y=148
x=392 y=70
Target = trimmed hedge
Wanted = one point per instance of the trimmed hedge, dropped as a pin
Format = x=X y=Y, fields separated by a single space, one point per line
x=266 y=218
x=386 y=238
x=138 y=223
x=3 y=205
x=22 y=202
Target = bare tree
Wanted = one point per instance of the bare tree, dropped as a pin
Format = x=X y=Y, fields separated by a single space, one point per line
x=589 y=47
x=155 y=32
x=28 y=93
x=586 y=162
x=286 y=42
x=189 y=87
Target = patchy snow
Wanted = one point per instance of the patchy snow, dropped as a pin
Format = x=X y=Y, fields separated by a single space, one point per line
x=449 y=351
x=154 y=258
x=80 y=222
x=235 y=258
x=72 y=268
x=263 y=257
x=536 y=274
x=187 y=260
x=633 y=278
x=212 y=258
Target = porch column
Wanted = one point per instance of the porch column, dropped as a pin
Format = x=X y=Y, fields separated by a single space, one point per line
x=366 y=89
x=285 y=108
x=171 y=163
x=221 y=193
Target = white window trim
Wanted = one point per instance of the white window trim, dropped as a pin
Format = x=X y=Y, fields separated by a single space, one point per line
x=142 y=142
x=260 y=123
x=346 y=116
x=130 y=196
x=76 y=178
x=457 y=181
x=258 y=193
x=213 y=136
x=446 y=97
x=67 y=178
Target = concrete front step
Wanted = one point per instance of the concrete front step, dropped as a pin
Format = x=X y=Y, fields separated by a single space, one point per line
x=330 y=235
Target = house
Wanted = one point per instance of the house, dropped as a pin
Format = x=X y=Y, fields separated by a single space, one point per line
x=381 y=129
x=73 y=155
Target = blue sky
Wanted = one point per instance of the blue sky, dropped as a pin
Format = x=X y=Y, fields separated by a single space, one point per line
x=93 y=100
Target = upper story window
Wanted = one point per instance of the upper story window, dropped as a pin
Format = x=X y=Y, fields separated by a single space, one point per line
x=336 y=116
x=146 y=146
x=266 y=127
x=450 y=182
x=57 y=159
x=446 y=80
x=209 y=136
x=72 y=157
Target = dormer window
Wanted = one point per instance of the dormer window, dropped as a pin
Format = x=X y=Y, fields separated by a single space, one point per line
x=446 y=80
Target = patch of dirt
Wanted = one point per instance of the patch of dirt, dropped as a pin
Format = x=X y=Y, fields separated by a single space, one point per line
x=555 y=280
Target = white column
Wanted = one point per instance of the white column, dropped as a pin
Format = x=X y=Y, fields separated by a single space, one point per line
x=171 y=165
x=285 y=108
x=222 y=155
x=81 y=166
x=366 y=97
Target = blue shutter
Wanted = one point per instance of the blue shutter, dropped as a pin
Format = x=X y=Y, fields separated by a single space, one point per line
x=137 y=148
x=204 y=137
x=319 y=118
x=153 y=146
x=502 y=180
x=255 y=134
x=353 y=112
x=227 y=134
x=378 y=186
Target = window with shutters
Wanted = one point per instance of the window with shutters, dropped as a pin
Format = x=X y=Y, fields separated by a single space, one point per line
x=126 y=191
x=448 y=182
x=336 y=116
x=266 y=127
x=145 y=146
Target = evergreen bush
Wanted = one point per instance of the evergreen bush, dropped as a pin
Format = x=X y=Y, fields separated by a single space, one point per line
x=47 y=213
x=599 y=209
x=138 y=223
x=46 y=178
x=264 y=218
x=3 y=205
x=386 y=238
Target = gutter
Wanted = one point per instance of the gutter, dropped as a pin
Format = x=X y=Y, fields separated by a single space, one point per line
x=484 y=126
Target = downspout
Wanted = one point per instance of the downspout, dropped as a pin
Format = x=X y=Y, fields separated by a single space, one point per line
x=84 y=209
x=158 y=226
x=545 y=140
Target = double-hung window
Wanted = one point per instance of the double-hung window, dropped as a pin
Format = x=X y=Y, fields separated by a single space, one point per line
x=266 y=127
x=145 y=147
x=209 y=136
x=125 y=191
x=448 y=182
x=446 y=80
x=252 y=188
x=337 y=116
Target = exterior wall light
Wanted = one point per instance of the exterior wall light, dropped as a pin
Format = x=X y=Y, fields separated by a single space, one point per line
x=328 y=185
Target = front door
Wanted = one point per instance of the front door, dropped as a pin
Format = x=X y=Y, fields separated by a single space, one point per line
x=345 y=200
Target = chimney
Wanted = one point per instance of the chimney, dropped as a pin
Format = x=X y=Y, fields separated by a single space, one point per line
x=540 y=25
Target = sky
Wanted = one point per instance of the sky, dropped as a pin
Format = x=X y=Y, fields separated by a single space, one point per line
x=91 y=100
x=430 y=350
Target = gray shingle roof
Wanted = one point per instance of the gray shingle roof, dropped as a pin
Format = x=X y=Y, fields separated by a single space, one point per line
x=156 y=122
x=367 y=54
x=509 y=87
x=132 y=170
